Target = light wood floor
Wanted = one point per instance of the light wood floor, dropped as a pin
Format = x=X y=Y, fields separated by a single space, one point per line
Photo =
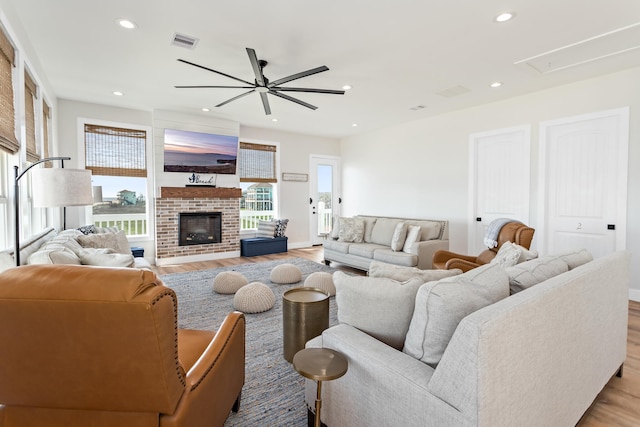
x=619 y=403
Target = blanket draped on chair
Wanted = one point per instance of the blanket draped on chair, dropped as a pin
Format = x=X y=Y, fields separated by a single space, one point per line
x=491 y=236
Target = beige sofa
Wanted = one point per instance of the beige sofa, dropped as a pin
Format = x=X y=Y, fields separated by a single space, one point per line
x=358 y=241
x=538 y=357
x=107 y=247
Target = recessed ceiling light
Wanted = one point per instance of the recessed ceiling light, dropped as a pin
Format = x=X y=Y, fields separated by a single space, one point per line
x=504 y=17
x=125 y=23
x=354 y=125
x=274 y=120
x=117 y=93
x=496 y=84
x=205 y=109
x=346 y=87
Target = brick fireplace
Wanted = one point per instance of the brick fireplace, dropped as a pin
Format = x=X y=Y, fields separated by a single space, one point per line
x=176 y=200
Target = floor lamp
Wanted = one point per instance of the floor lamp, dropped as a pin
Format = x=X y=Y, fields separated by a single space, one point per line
x=52 y=188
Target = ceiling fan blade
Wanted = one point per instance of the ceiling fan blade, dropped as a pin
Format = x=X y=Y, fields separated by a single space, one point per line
x=265 y=103
x=302 y=89
x=298 y=76
x=214 y=71
x=235 y=97
x=292 y=99
x=215 y=87
x=257 y=70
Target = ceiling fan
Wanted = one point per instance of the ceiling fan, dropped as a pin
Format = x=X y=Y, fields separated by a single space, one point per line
x=263 y=86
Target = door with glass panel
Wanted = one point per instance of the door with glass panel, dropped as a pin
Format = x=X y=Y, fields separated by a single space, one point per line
x=324 y=197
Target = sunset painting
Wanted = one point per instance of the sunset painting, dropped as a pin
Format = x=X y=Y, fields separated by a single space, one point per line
x=186 y=151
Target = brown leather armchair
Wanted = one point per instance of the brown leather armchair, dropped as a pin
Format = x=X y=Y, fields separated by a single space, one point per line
x=100 y=347
x=514 y=232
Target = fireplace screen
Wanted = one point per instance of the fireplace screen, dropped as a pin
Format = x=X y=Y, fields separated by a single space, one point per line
x=200 y=228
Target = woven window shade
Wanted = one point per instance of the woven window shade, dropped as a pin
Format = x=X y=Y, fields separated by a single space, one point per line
x=46 y=116
x=115 y=151
x=8 y=140
x=257 y=163
x=30 y=95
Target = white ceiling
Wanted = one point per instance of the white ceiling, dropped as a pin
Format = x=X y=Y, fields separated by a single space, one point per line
x=395 y=54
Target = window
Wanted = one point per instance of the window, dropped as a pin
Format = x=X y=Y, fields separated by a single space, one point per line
x=46 y=118
x=117 y=159
x=8 y=141
x=30 y=97
x=257 y=170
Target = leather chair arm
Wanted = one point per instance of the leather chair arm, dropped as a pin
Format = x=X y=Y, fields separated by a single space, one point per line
x=215 y=381
x=463 y=264
x=440 y=259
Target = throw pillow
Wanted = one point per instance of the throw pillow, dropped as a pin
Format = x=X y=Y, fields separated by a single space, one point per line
x=88 y=229
x=527 y=274
x=6 y=261
x=399 y=236
x=441 y=305
x=351 y=230
x=576 y=258
x=335 y=229
x=98 y=257
x=400 y=273
x=101 y=240
x=281 y=227
x=54 y=256
x=507 y=256
x=379 y=307
x=122 y=243
x=369 y=222
x=526 y=254
x=413 y=235
x=266 y=229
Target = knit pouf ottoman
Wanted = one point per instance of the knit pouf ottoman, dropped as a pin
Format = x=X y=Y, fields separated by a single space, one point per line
x=255 y=297
x=228 y=282
x=321 y=280
x=285 y=274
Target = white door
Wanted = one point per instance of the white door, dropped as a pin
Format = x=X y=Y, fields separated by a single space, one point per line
x=583 y=183
x=498 y=180
x=324 y=198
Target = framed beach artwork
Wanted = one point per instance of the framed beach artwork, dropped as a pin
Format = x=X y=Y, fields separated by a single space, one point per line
x=197 y=152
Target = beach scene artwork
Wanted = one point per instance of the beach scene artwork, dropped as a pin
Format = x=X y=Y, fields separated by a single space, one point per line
x=197 y=152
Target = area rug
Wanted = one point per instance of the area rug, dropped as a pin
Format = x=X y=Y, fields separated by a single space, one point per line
x=273 y=394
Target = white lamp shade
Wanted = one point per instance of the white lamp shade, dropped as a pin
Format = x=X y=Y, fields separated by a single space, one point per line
x=57 y=187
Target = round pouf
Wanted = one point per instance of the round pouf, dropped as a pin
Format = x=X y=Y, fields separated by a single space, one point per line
x=286 y=273
x=255 y=297
x=321 y=280
x=228 y=282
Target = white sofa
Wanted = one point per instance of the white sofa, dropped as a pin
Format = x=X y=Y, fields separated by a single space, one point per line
x=536 y=358
x=377 y=238
x=107 y=247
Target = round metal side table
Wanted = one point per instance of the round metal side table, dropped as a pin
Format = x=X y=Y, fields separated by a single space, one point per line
x=320 y=364
x=305 y=314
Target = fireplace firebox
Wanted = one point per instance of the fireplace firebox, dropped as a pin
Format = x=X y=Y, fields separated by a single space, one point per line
x=200 y=228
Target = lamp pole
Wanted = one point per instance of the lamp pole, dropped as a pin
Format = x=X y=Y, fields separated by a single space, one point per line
x=16 y=201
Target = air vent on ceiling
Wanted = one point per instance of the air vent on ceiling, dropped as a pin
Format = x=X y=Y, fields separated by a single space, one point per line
x=184 y=41
x=453 y=91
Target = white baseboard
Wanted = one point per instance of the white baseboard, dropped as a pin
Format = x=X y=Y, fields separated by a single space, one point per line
x=196 y=258
x=299 y=245
x=634 y=294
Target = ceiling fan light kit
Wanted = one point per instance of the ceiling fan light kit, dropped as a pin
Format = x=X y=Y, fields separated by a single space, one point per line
x=263 y=86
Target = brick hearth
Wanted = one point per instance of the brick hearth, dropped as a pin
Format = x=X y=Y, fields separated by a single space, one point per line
x=174 y=200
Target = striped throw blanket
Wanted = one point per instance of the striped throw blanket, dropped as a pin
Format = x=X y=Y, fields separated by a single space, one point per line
x=491 y=236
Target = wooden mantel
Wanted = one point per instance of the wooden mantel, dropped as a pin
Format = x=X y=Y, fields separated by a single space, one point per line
x=200 y=192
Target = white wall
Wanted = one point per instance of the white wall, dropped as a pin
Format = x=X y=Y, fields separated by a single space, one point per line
x=420 y=169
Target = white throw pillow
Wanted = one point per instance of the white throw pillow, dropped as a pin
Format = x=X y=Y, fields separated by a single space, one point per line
x=399 y=236
x=441 y=305
x=335 y=229
x=413 y=235
x=102 y=240
x=379 y=307
x=351 y=230
x=576 y=258
x=401 y=273
x=507 y=256
x=266 y=229
x=6 y=261
x=526 y=254
x=100 y=258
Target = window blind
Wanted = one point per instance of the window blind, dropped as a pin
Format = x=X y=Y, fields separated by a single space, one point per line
x=113 y=151
x=257 y=162
x=46 y=116
x=30 y=96
x=8 y=141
